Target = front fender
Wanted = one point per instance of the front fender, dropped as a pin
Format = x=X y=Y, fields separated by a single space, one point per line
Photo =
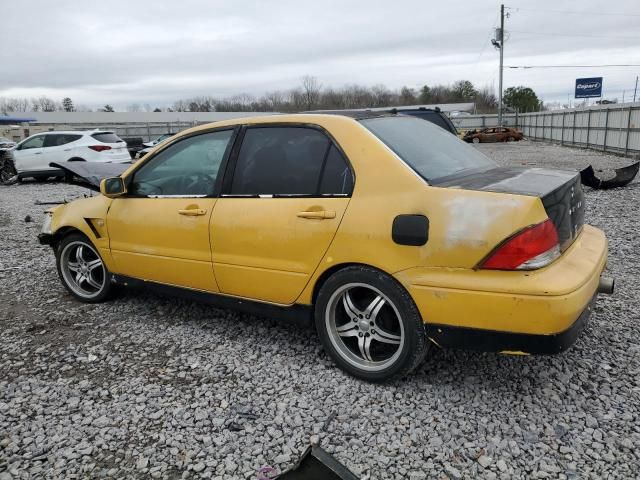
x=86 y=215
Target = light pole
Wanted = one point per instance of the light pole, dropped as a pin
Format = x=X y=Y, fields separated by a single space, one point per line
x=501 y=40
x=498 y=42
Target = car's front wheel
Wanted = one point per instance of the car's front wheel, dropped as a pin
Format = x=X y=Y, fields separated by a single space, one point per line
x=82 y=270
x=369 y=324
x=475 y=140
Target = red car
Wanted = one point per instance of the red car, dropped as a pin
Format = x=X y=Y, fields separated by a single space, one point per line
x=493 y=134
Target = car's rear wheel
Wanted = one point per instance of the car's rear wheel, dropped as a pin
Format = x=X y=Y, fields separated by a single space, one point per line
x=475 y=140
x=369 y=324
x=82 y=270
x=510 y=139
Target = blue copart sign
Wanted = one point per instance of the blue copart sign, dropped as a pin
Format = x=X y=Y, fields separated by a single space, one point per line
x=588 y=87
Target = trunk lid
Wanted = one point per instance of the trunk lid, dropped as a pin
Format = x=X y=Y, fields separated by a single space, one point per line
x=559 y=190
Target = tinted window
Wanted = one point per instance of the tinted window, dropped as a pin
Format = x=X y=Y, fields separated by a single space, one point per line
x=35 y=142
x=56 y=140
x=432 y=152
x=280 y=161
x=188 y=168
x=432 y=117
x=107 y=137
x=337 y=178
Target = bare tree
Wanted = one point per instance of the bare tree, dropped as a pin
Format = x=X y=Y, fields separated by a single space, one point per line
x=407 y=96
x=47 y=104
x=134 y=107
x=311 y=89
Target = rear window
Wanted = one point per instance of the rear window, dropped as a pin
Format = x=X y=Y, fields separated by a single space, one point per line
x=432 y=117
x=429 y=150
x=107 y=137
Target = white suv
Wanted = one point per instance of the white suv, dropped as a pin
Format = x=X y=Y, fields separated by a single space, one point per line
x=33 y=155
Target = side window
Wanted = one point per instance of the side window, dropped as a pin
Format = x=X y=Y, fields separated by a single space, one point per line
x=337 y=178
x=280 y=161
x=57 y=140
x=187 y=168
x=35 y=142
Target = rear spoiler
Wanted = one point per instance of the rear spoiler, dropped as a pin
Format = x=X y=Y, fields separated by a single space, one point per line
x=90 y=174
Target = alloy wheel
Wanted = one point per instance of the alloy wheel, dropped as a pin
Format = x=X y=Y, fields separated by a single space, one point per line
x=364 y=326
x=82 y=269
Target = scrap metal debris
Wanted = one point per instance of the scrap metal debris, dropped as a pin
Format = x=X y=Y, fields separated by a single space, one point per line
x=317 y=464
x=87 y=174
x=622 y=177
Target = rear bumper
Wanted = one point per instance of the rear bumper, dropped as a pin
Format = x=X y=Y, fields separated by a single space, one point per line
x=447 y=336
x=519 y=309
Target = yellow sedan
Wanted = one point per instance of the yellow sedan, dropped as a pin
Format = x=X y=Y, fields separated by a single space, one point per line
x=390 y=232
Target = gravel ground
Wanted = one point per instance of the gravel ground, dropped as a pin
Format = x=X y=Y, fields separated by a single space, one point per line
x=147 y=386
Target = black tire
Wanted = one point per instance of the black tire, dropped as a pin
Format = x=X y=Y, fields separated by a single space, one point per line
x=405 y=344
x=95 y=277
x=8 y=172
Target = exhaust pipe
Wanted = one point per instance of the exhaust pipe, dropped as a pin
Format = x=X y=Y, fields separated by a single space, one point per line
x=606 y=285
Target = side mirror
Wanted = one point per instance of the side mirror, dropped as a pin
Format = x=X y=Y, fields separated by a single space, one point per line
x=112 y=187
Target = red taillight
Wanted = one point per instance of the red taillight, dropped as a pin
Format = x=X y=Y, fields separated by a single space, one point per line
x=100 y=148
x=533 y=247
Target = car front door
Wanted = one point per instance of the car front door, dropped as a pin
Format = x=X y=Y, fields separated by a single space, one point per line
x=28 y=154
x=159 y=231
x=287 y=190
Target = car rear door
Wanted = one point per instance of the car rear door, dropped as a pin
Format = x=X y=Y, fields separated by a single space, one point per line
x=159 y=231
x=283 y=199
x=58 y=148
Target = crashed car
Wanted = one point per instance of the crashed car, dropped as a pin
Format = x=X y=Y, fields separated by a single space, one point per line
x=388 y=231
x=492 y=135
x=6 y=144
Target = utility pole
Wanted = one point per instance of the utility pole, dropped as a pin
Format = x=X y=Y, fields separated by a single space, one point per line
x=635 y=90
x=501 y=40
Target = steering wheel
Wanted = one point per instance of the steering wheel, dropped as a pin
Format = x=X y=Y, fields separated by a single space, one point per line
x=199 y=184
x=147 y=188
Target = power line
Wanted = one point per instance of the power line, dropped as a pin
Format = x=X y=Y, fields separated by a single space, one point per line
x=575 y=13
x=576 y=66
x=577 y=35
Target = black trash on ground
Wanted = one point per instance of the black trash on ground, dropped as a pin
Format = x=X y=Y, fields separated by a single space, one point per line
x=622 y=177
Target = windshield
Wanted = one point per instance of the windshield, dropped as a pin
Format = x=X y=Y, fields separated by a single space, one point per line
x=431 y=151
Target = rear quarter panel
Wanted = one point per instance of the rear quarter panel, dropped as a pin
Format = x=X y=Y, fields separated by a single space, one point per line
x=464 y=225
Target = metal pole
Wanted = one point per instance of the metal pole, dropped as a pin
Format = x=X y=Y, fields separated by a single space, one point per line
x=626 y=142
x=606 y=127
x=501 y=55
x=588 y=126
x=562 y=129
x=635 y=90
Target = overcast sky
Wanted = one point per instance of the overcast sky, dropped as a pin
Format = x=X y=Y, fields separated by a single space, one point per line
x=143 y=51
